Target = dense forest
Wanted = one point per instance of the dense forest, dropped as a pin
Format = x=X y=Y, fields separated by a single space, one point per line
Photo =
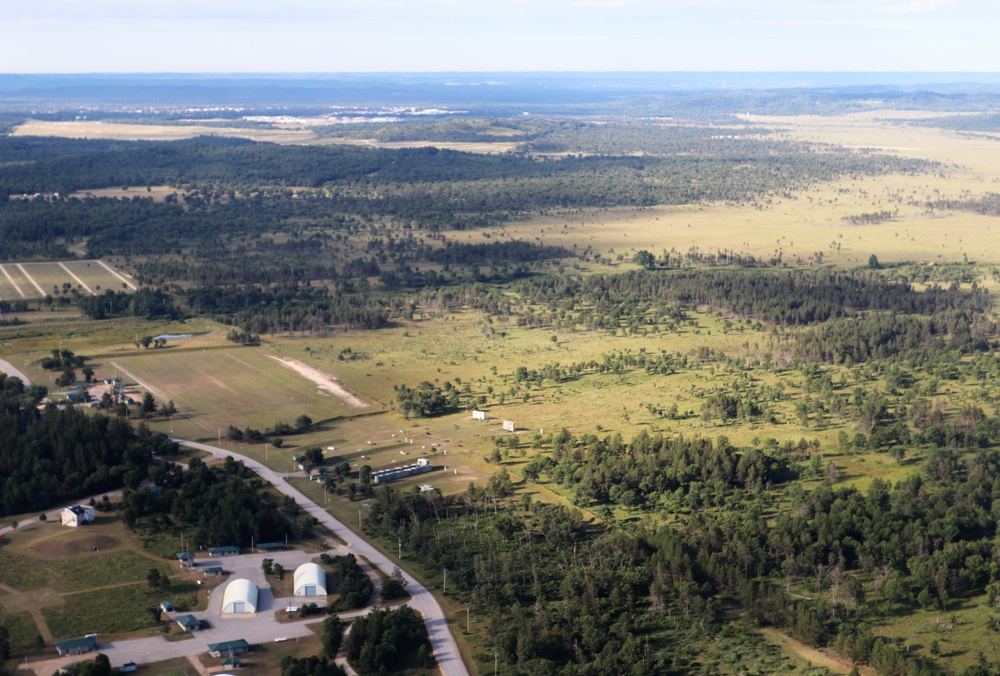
x=214 y=507
x=562 y=599
x=52 y=456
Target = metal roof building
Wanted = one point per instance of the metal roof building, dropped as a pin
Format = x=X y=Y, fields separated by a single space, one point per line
x=240 y=598
x=310 y=580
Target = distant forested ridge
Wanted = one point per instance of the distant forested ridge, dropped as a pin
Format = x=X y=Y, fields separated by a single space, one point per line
x=235 y=186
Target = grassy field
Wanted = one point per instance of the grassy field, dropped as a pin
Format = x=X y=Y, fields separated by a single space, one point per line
x=277 y=133
x=58 y=582
x=157 y=193
x=12 y=284
x=120 y=609
x=152 y=132
x=32 y=281
x=806 y=222
x=960 y=632
x=22 y=631
x=217 y=384
x=47 y=555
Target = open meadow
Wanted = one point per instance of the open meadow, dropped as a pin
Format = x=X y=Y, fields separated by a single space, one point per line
x=811 y=226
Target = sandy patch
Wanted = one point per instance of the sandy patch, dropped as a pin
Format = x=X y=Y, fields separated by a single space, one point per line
x=325 y=383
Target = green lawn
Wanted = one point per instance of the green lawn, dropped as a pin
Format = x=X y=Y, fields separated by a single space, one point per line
x=25 y=573
x=114 y=610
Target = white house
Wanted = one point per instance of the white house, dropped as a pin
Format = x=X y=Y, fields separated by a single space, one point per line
x=77 y=515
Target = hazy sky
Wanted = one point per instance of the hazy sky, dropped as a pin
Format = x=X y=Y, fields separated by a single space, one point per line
x=487 y=35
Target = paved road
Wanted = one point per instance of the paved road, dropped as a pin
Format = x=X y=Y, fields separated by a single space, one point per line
x=12 y=370
x=445 y=648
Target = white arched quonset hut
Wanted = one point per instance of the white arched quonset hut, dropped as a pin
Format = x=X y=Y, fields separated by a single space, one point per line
x=240 y=598
x=310 y=580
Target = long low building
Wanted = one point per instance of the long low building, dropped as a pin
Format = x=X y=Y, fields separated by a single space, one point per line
x=422 y=466
x=228 y=648
x=77 y=646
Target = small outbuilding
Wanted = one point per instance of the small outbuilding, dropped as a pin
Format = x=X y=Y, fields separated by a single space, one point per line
x=77 y=646
x=212 y=571
x=310 y=580
x=186 y=559
x=240 y=598
x=167 y=606
x=77 y=515
x=188 y=622
x=223 y=551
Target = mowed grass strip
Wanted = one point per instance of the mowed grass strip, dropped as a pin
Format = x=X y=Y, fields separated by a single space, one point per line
x=51 y=277
x=95 y=276
x=112 y=611
x=7 y=290
x=13 y=276
x=98 y=569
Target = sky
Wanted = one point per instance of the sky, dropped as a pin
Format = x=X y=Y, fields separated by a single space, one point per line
x=336 y=36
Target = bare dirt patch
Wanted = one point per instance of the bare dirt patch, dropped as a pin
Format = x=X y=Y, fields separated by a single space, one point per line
x=28 y=601
x=61 y=548
x=325 y=383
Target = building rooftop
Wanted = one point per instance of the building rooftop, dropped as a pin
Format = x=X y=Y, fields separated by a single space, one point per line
x=86 y=641
x=226 y=645
x=189 y=622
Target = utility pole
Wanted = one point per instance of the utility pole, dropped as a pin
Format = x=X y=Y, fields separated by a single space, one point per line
x=444 y=589
x=468 y=620
x=400 y=542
